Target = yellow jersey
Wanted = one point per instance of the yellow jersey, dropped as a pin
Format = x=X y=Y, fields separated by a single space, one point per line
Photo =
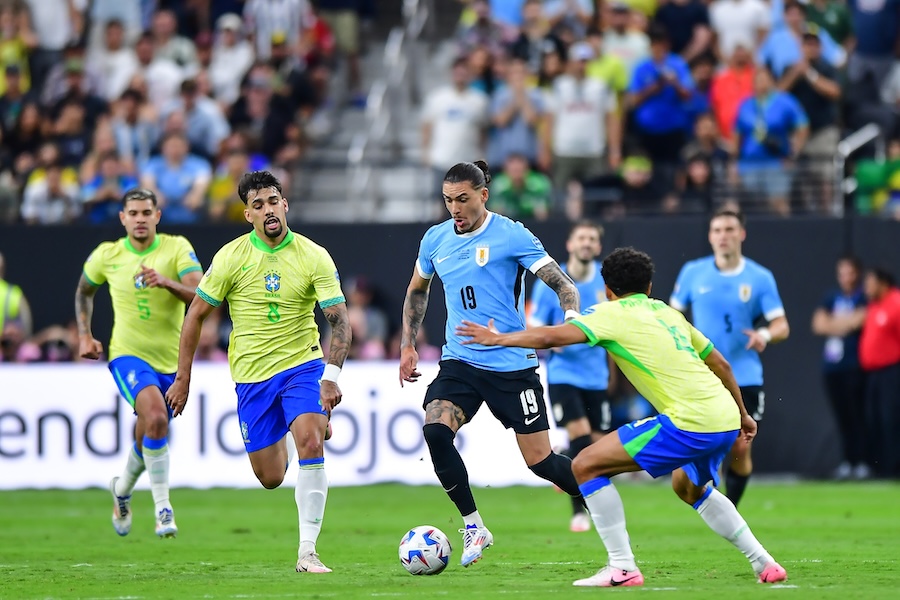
x=146 y=321
x=271 y=294
x=663 y=356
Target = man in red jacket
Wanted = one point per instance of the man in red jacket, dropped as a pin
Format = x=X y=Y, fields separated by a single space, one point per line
x=879 y=356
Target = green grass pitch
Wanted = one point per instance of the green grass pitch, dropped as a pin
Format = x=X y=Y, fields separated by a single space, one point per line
x=836 y=541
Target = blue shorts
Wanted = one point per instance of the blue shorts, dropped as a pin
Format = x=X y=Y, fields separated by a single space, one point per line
x=267 y=409
x=659 y=448
x=133 y=374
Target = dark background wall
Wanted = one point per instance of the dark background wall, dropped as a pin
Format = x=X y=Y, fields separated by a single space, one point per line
x=798 y=433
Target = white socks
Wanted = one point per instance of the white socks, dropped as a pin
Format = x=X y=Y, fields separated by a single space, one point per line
x=133 y=469
x=723 y=518
x=608 y=513
x=310 y=495
x=473 y=519
x=156 y=458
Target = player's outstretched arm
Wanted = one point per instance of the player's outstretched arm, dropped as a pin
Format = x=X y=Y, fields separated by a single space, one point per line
x=177 y=395
x=539 y=337
x=88 y=347
x=562 y=284
x=341 y=336
x=721 y=367
x=414 y=307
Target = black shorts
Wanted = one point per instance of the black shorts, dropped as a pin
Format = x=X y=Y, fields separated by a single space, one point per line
x=570 y=403
x=515 y=398
x=755 y=401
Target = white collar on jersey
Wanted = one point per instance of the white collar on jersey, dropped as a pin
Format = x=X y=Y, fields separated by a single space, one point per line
x=732 y=272
x=478 y=231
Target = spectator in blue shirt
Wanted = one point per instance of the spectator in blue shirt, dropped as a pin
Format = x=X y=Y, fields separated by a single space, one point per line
x=783 y=46
x=515 y=113
x=660 y=87
x=877 y=27
x=770 y=131
x=103 y=194
x=179 y=180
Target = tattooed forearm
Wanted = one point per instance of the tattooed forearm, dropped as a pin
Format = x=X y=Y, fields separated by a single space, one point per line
x=341 y=335
x=562 y=284
x=84 y=305
x=444 y=411
x=413 y=314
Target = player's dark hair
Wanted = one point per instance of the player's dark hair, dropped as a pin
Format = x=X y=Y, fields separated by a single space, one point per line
x=883 y=275
x=257 y=180
x=475 y=173
x=853 y=260
x=138 y=194
x=727 y=212
x=587 y=224
x=627 y=271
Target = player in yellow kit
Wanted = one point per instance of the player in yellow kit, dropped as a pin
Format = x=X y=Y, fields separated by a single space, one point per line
x=151 y=277
x=272 y=279
x=688 y=381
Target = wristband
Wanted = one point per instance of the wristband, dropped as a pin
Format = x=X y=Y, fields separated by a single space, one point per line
x=765 y=334
x=331 y=373
x=572 y=314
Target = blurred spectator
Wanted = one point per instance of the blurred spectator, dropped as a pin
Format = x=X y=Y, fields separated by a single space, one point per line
x=453 y=124
x=54 y=344
x=171 y=46
x=839 y=318
x=14 y=347
x=583 y=126
x=515 y=113
x=48 y=154
x=482 y=69
x=56 y=23
x=13 y=98
x=739 y=22
x=427 y=352
x=832 y=16
x=368 y=321
x=114 y=60
x=224 y=203
x=877 y=27
x=508 y=13
x=770 y=132
x=77 y=92
x=687 y=23
x=71 y=134
x=232 y=57
x=103 y=193
x=483 y=32
x=730 y=87
x=208 y=346
x=179 y=180
x=879 y=184
x=702 y=70
x=262 y=115
x=879 y=355
x=577 y=15
x=605 y=67
x=696 y=184
x=293 y=84
x=26 y=138
x=619 y=40
x=9 y=188
x=658 y=90
x=126 y=13
x=519 y=192
x=69 y=72
x=265 y=18
x=206 y=125
x=784 y=46
x=707 y=144
x=103 y=142
x=343 y=19
x=163 y=77
x=51 y=201
x=536 y=40
x=135 y=128
x=15 y=307
x=15 y=46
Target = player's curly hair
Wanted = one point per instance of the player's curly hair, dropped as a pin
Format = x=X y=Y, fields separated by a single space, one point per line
x=138 y=194
x=627 y=271
x=257 y=180
x=475 y=173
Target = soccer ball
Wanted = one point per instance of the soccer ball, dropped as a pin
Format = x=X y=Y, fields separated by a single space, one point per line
x=424 y=550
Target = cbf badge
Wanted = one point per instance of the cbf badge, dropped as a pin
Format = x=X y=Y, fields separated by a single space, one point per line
x=482 y=255
x=744 y=292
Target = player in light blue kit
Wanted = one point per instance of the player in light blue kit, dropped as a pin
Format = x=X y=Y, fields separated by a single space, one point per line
x=481 y=258
x=577 y=376
x=735 y=302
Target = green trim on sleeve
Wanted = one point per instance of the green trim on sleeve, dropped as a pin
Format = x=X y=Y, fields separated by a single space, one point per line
x=593 y=340
x=706 y=351
x=89 y=279
x=207 y=298
x=192 y=269
x=331 y=302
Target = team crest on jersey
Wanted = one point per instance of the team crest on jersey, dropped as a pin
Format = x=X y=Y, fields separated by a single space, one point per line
x=131 y=378
x=139 y=282
x=273 y=282
x=245 y=432
x=744 y=292
x=482 y=255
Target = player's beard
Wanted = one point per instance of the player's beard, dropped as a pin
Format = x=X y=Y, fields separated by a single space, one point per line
x=273 y=233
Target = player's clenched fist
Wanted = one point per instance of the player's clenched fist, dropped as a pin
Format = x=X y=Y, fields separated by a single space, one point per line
x=89 y=348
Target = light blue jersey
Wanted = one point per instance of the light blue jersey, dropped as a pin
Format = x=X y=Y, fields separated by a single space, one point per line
x=579 y=365
x=483 y=273
x=724 y=304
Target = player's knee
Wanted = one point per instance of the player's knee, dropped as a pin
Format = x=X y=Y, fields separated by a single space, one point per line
x=581 y=467
x=156 y=424
x=685 y=489
x=310 y=444
x=438 y=436
x=271 y=479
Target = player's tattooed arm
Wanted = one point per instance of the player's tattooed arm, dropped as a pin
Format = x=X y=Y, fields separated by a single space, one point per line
x=414 y=307
x=88 y=347
x=562 y=284
x=341 y=336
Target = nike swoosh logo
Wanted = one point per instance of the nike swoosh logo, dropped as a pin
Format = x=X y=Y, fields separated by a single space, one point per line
x=614 y=582
x=440 y=260
x=531 y=420
x=114 y=267
x=247 y=267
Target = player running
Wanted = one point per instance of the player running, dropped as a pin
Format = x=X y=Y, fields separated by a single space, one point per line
x=729 y=296
x=691 y=385
x=272 y=279
x=481 y=258
x=577 y=376
x=151 y=277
